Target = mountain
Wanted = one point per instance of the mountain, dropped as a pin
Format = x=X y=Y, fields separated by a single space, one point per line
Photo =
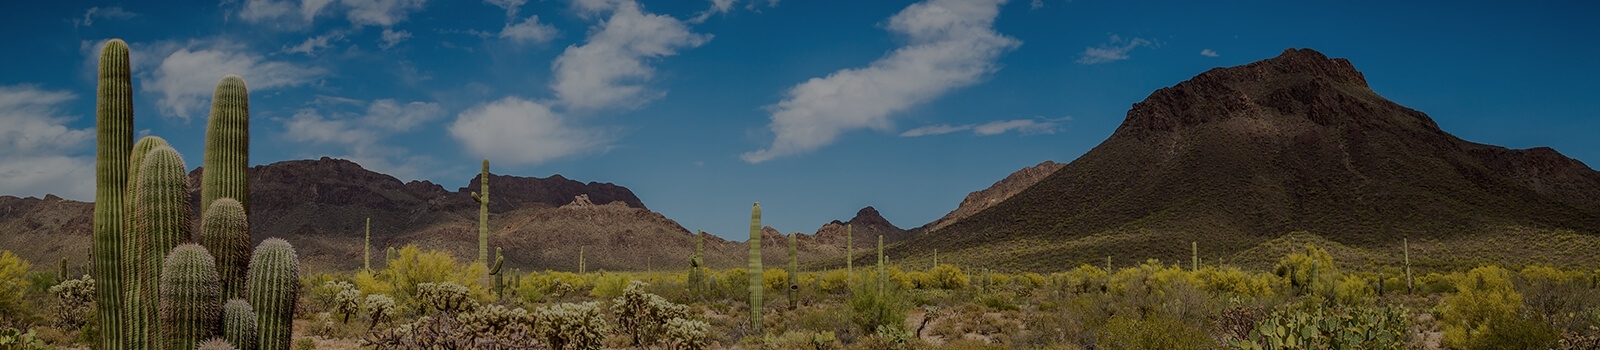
x=1237 y=157
x=979 y=200
x=321 y=206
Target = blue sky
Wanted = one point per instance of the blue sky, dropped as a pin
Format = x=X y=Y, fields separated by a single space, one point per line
x=813 y=108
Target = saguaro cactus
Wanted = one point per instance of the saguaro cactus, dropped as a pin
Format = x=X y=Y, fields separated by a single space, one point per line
x=883 y=272
x=161 y=222
x=1194 y=256
x=494 y=270
x=113 y=142
x=239 y=324
x=794 y=271
x=227 y=158
x=388 y=257
x=849 y=253
x=755 y=267
x=581 y=267
x=697 y=277
x=483 y=213
x=225 y=232
x=189 y=304
x=366 y=247
x=1405 y=248
x=274 y=277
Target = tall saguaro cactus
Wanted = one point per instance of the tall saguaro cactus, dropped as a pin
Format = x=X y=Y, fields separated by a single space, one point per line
x=190 y=308
x=483 y=213
x=794 y=271
x=274 y=277
x=883 y=272
x=227 y=157
x=366 y=247
x=755 y=267
x=161 y=222
x=225 y=232
x=697 y=277
x=113 y=142
x=849 y=253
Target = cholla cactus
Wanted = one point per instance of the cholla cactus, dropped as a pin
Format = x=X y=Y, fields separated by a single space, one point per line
x=447 y=297
x=686 y=334
x=496 y=321
x=572 y=326
x=642 y=315
x=346 y=298
x=379 y=307
x=74 y=298
x=216 y=344
x=239 y=324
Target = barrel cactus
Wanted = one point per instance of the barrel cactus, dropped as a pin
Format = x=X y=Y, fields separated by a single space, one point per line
x=190 y=308
x=239 y=324
x=273 y=279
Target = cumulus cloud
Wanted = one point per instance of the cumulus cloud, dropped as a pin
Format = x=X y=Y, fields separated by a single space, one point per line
x=511 y=6
x=519 y=131
x=289 y=14
x=39 y=152
x=1112 y=51
x=529 y=31
x=951 y=44
x=379 y=12
x=1024 y=126
x=359 y=136
x=114 y=12
x=390 y=38
x=610 y=69
x=187 y=76
x=717 y=6
x=1208 y=53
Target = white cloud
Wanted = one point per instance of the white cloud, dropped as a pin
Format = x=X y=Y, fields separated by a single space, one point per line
x=114 y=12
x=589 y=7
x=360 y=136
x=1024 y=126
x=283 y=14
x=937 y=129
x=518 y=131
x=952 y=44
x=717 y=6
x=312 y=44
x=529 y=30
x=379 y=12
x=310 y=8
x=1112 y=51
x=1208 y=53
x=610 y=69
x=511 y=6
x=39 y=153
x=258 y=11
x=391 y=37
x=1037 y=4
x=187 y=77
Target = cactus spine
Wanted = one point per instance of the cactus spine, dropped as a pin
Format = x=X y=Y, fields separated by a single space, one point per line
x=161 y=222
x=113 y=142
x=366 y=247
x=225 y=233
x=483 y=213
x=274 y=277
x=227 y=157
x=239 y=324
x=755 y=267
x=189 y=304
x=794 y=271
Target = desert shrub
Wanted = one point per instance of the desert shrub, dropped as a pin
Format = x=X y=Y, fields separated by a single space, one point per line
x=643 y=316
x=1233 y=282
x=1310 y=325
x=1029 y=280
x=1486 y=312
x=13 y=284
x=1310 y=271
x=497 y=322
x=921 y=280
x=413 y=267
x=572 y=326
x=1157 y=332
x=539 y=287
x=1436 y=283
x=827 y=317
x=803 y=339
x=1354 y=291
x=686 y=334
x=1560 y=297
x=871 y=308
x=775 y=280
x=74 y=298
x=1154 y=288
x=947 y=276
x=1086 y=278
x=835 y=282
x=608 y=284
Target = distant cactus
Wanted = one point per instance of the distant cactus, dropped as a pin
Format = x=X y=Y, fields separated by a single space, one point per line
x=499 y=279
x=366 y=247
x=1194 y=256
x=755 y=267
x=225 y=232
x=161 y=222
x=388 y=257
x=227 y=158
x=697 y=277
x=849 y=252
x=274 y=278
x=113 y=143
x=1405 y=247
x=883 y=272
x=189 y=305
x=581 y=267
x=239 y=324
x=794 y=271
x=483 y=213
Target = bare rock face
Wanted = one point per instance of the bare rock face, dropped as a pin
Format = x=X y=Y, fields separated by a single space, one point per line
x=1001 y=190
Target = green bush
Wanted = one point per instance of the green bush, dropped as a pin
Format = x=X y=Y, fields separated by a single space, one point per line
x=871 y=308
x=1311 y=271
x=1486 y=312
x=1156 y=332
x=1354 y=291
x=12 y=283
x=946 y=276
